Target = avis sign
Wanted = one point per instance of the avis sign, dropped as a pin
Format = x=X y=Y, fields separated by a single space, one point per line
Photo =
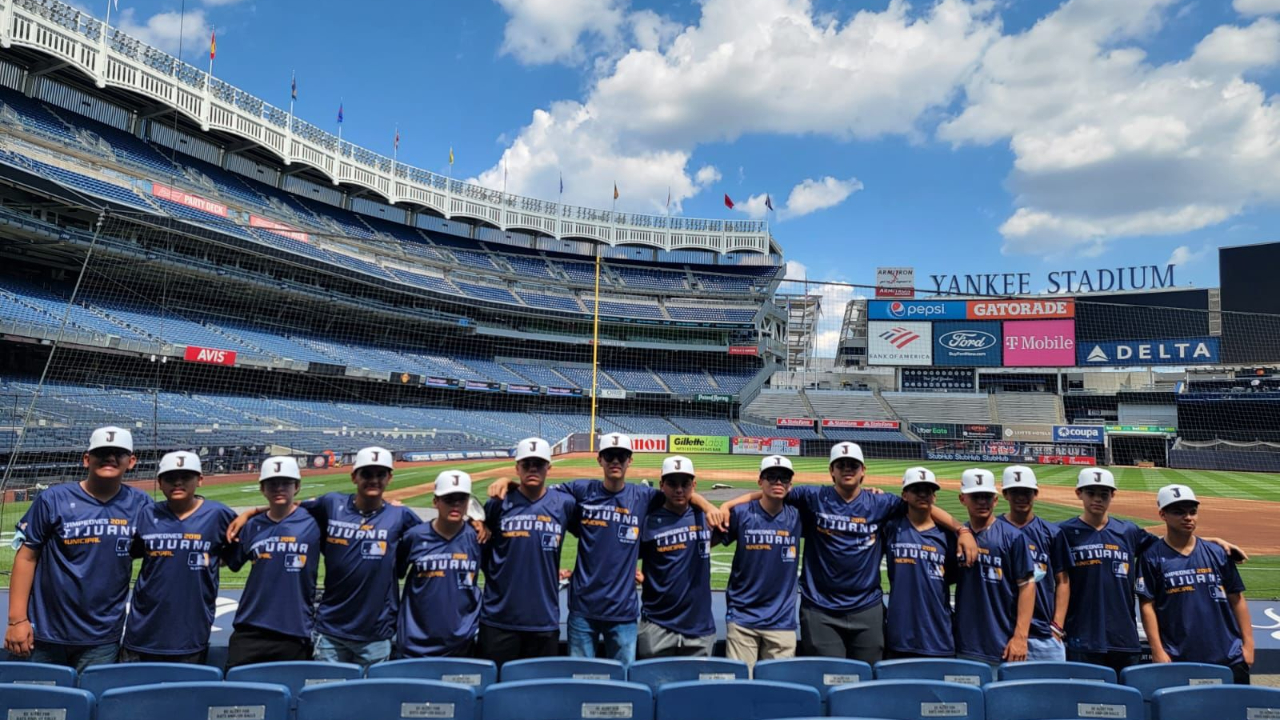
x=211 y=356
x=895 y=282
x=1183 y=351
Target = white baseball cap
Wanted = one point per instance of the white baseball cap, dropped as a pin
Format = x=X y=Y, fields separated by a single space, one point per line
x=1094 y=477
x=919 y=476
x=977 y=480
x=279 y=467
x=1171 y=494
x=374 y=457
x=846 y=450
x=615 y=441
x=533 y=448
x=677 y=465
x=111 y=437
x=451 y=482
x=1018 y=476
x=180 y=460
x=776 y=461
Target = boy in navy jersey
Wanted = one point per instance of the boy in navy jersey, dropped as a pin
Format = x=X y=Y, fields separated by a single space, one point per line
x=520 y=615
x=761 y=620
x=1192 y=597
x=71 y=575
x=440 y=611
x=1052 y=555
x=921 y=559
x=602 y=589
x=361 y=533
x=996 y=597
x=181 y=542
x=841 y=605
x=276 y=618
x=675 y=548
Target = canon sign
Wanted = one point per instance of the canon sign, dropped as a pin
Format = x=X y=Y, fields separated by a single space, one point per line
x=649 y=443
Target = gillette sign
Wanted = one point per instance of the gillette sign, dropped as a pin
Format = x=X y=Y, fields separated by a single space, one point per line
x=916 y=310
x=1182 y=351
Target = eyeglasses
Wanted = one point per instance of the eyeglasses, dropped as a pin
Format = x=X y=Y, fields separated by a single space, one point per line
x=776 y=480
x=104 y=453
x=845 y=464
x=453 y=498
x=373 y=473
x=614 y=456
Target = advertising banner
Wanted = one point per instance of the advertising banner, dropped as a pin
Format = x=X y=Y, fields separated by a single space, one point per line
x=522 y=389
x=612 y=393
x=1029 y=432
x=649 y=443
x=744 y=350
x=765 y=446
x=936 y=431
x=1040 y=343
x=713 y=398
x=481 y=385
x=209 y=355
x=165 y=192
x=405 y=378
x=964 y=456
x=895 y=282
x=795 y=422
x=689 y=444
x=1078 y=434
x=916 y=310
x=1020 y=309
x=906 y=343
x=1142 y=429
x=862 y=424
x=432 y=381
x=981 y=432
x=1066 y=460
x=1183 y=351
x=279 y=228
x=938 y=380
x=970 y=344
x=575 y=392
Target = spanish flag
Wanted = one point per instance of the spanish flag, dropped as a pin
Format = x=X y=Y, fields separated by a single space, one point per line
x=450 y=156
x=213 y=44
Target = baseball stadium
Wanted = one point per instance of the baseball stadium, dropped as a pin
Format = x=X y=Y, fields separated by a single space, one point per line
x=218 y=275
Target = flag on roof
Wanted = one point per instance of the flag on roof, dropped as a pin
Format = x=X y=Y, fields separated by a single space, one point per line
x=213 y=44
x=293 y=88
x=339 y=113
x=768 y=201
x=451 y=155
x=615 y=191
x=728 y=202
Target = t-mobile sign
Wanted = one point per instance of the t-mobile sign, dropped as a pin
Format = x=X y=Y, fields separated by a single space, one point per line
x=1040 y=343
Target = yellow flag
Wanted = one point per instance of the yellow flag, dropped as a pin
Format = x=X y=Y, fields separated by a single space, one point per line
x=451 y=155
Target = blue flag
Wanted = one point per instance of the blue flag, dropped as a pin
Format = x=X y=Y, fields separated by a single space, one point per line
x=293 y=88
x=339 y=113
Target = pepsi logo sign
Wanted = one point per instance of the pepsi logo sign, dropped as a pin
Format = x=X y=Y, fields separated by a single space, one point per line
x=968 y=340
x=897 y=309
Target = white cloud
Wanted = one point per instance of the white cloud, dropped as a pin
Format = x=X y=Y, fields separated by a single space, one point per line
x=707 y=175
x=1109 y=145
x=167 y=30
x=754 y=206
x=835 y=294
x=1183 y=255
x=1257 y=7
x=539 y=32
x=813 y=195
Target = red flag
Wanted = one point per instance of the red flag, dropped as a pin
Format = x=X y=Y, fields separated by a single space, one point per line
x=728 y=201
x=213 y=44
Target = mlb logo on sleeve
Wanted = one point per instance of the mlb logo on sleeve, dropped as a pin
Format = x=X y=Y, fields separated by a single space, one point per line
x=197 y=560
x=1217 y=592
x=935 y=570
x=628 y=533
x=122 y=545
x=373 y=548
x=295 y=563
x=466 y=580
x=789 y=553
x=1120 y=568
x=992 y=574
x=704 y=547
x=550 y=542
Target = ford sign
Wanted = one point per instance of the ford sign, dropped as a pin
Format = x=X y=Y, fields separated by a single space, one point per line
x=967 y=344
x=973 y=340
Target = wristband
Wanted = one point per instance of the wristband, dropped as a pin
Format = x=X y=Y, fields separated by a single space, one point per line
x=18 y=622
x=964 y=531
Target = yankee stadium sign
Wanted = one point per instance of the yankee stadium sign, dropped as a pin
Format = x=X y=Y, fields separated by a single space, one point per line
x=1139 y=277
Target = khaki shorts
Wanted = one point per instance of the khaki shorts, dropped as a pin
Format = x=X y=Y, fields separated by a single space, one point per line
x=749 y=645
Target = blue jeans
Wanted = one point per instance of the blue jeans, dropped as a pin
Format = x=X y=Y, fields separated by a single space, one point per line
x=619 y=638
x=1046 y=649
x=337 y=650
x=75 y=656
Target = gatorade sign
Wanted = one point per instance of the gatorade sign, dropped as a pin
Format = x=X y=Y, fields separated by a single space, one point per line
x=211 y=356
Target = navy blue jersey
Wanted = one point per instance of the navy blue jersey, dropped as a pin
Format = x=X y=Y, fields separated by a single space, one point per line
x=282 y=582
x=1100 y=617
x=180 y=564
x=987 y=592
x=83 y=574
x=1190 y=595
x=676 y=554
x=522 y=561
x=1052 y=555
x=841 y=555
x=603 y=586
x=440 y=613
x=922 y=566
x=765 y=573
x=360 y=593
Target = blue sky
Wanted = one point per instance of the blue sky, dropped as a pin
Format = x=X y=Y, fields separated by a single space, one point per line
x=952 y=136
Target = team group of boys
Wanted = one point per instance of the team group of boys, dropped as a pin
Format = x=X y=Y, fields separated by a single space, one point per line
x=1024 y=588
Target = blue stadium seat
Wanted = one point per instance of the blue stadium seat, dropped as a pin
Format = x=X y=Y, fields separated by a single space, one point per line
x=908 y=699
x=1158 y=676
x=478 y=674
x=101 y=678
x=393 y=698
x=563 y=667
x=295 y=675
x=965 y=672
x=194 y=701
x=821 y=674
x=19 y=672
x=737 y=699
x=17 y=701
x=661 y=671
x=1219 y=702
x=567 y=700
x=1058 y=699
x=1052 y=670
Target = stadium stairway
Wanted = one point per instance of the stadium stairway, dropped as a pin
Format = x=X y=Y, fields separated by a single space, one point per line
x=808 y=405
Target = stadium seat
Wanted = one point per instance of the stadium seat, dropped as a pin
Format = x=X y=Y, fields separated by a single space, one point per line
x=661 y=671
x=101 y=678
x=195 y=701
x=18 y=672
x=737 y=699
x=1219 y=702
x=394 y=698
x=567 y=700
x=478 y=674
x=295 y=675
x=965 y=672
x=45 y=702
x=1059 y=699
x=908 y=699
x=1052 y=670
x=563 y=667
x=821 y=674
x=1158 y=676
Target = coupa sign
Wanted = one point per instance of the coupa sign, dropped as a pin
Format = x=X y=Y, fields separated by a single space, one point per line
x=1077 y=434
